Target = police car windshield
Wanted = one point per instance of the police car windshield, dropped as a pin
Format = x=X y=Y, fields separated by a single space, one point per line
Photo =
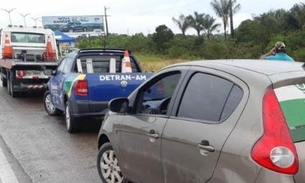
x=101 y=63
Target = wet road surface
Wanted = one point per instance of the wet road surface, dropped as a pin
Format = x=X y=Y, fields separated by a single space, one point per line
x=37 y=148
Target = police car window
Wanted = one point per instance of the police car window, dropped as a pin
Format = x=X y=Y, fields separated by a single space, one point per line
x=101 y=63
x=206 y=97
x=61 y=66
x=68 y=65
x=156 y=97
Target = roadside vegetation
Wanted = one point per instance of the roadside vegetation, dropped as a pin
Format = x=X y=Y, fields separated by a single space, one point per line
x=248 y=41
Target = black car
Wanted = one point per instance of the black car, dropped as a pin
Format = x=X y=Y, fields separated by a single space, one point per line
x=75 y=26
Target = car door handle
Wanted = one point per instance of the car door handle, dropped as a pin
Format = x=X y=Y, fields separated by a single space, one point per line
x=205 y=145
x=207 y=148
x=153 y=134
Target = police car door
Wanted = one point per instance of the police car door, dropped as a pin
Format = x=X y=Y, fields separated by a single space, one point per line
x=56 y=85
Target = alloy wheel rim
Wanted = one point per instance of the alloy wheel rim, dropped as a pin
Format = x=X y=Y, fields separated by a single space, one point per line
x=110 y=168
x=49 y=104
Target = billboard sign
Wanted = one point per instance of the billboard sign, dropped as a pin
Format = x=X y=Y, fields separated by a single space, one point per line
x=71 y=24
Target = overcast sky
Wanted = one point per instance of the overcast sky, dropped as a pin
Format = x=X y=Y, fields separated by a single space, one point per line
x=131 y=16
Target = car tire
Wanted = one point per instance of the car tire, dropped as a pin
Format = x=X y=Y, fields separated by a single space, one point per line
x=107 y=165
x=48 y=105
x=72 y=123
x=4 y=81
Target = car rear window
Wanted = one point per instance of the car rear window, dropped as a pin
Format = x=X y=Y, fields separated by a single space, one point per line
x=292 y=101
x=101 y=63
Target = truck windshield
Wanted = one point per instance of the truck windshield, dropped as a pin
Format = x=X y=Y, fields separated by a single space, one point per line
x=21 y=37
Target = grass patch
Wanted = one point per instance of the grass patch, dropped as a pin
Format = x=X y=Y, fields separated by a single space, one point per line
x=153 y=63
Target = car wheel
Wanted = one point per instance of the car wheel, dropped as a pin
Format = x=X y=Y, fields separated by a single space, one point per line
x=4 y=81
x=48 y=105
x=107 y=165
x=71 y=122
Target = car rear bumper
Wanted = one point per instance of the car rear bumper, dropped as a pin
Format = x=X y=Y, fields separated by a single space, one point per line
x=88 y=108
x=271 y=176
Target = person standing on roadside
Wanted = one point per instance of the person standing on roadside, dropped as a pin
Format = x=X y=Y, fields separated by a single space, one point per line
x=278 y=52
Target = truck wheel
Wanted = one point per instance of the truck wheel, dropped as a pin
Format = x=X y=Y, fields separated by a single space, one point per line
x=10 y=87
x=72 y=124
x=4 y=81
x=48 y=105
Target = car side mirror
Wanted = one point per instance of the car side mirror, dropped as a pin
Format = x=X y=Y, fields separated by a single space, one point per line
x=119 y=105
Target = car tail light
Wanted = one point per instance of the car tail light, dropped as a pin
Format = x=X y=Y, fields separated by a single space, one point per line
x=275 y=150
x=81 y=88
x=20 y=73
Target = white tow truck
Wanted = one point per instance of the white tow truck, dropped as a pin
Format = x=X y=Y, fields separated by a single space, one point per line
x=28 y=55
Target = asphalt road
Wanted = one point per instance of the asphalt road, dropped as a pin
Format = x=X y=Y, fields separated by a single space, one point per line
x=35 y=147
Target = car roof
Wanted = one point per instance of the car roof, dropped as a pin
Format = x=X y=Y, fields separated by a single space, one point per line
x=256 y=66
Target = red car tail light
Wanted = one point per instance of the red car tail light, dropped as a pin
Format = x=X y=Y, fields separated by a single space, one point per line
x=275 y=150
x=81 y=88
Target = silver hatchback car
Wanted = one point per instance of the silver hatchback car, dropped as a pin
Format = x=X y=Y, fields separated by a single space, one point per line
x=221 y=121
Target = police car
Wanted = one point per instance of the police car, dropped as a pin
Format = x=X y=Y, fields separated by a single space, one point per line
x=86 y=80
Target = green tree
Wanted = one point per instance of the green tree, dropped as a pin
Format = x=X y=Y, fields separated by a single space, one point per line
x=182 y=23
x=298 y=12
x=222 y=10
x=162 y=37
x=233 y=9
x=196 y=22
x=210 y=25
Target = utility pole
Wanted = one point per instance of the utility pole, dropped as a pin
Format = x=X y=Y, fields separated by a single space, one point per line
x=105 y=9
x=24 y=15
x=9 y=13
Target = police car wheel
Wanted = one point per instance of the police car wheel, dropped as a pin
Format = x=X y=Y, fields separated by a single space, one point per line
x=48 y=105
x=71 y=122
